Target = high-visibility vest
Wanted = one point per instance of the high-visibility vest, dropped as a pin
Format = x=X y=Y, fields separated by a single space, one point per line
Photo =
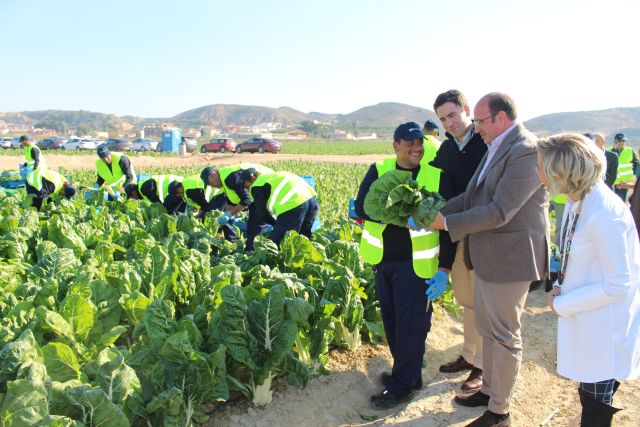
x=425 y=244
x=115 y=176
x=625 y=165
x=34 y=179
x=431 y=146
x=225 y=171
x=288 y=191
x=162 y=185
x=28 y=156
x=559 y=199
x=194 y=182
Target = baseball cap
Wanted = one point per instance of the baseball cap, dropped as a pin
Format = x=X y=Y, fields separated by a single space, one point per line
x=173 y=187
x=69 y=191
x=430 y=125
x=103 y=151
x=248 y=173
x=408 y=131
x=206 y=173
x=25 y=138
x=129 y=189
x=589 y=135
x=620 y=137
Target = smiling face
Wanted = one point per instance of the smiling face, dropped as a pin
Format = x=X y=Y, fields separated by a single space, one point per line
x=409 y=153
x=454 y=119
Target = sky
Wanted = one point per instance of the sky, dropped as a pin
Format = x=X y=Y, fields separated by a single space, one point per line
x=160 y=58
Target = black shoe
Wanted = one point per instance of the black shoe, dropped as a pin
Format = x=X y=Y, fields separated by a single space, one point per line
x=473 y=400
x=489 y=419
x=386 y=399
x=385 y=380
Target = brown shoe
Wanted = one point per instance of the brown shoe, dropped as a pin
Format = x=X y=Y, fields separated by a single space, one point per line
x=472 y=400
x=473 y=381
x=457 y=365
x=489 y=419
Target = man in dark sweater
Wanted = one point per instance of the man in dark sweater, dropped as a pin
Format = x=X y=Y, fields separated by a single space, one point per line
x=458 y=158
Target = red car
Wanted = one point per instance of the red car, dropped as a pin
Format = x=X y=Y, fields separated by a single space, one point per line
x=221 y=145
x=259 y=145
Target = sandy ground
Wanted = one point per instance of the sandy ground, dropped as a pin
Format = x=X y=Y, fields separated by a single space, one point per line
x=75 y=162
x=343 y=396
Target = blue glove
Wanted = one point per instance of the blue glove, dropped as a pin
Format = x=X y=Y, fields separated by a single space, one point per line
x=267 y=228
x=116 y=195
x=224 y=219
x=437 y=284
x=411 y=223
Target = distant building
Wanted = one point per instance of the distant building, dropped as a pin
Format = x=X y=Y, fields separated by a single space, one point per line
x=299 y=133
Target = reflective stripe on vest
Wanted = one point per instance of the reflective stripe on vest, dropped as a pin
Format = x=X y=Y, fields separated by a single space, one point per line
x=625 y=165
x=115 y=176
x=425 y=244
x=29 y=158
x=288 y=191
x=35 y=178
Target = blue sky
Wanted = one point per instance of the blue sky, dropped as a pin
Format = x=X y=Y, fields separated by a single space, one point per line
x=159 y=58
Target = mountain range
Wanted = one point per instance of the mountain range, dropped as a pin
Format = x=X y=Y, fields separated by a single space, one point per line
x=382 y=116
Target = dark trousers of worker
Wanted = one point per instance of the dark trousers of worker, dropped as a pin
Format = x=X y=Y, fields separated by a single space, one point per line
x=622 y=193
x=299 y=219
x=406 y=314
x=220 y=202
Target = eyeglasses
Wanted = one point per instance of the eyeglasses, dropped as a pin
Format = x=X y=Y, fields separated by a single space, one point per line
x=478 y=122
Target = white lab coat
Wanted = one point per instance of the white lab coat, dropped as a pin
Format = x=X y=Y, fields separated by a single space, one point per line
x=599 y=304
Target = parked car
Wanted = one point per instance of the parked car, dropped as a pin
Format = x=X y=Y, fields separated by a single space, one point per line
x=79 y=144
x=50 y=143
x=15 y=142
x=192 y=144
x=221 y=145
x=259 y=145
x=5 y=142
x=118 y=144
x=142 y=144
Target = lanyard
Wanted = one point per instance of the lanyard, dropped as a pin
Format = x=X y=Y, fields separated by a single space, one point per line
x=565 y=243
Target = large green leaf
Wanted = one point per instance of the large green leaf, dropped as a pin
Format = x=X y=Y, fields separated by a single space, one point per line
x=115 y=377
x=79 y=312
x=61 y=362
x=25 y=404
x=15 y=353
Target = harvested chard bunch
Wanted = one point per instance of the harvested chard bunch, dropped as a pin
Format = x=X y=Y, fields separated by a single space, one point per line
x=395 y=196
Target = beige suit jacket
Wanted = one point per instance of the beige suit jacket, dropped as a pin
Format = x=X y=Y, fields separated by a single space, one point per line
x=503 y=218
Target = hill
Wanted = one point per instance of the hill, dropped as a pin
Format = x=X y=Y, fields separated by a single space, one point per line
x=386 y=114
x=240 y=115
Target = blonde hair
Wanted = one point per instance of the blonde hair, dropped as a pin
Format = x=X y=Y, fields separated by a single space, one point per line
x=572 y=163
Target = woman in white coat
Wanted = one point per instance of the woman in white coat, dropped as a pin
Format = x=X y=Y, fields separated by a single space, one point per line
x=596 y=297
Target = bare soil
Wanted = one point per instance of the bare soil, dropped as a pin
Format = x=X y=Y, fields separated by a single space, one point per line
x=342 y=397
x=140 y=162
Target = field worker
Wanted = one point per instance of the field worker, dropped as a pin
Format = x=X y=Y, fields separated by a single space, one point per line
x=154 y=189
x=43 y=183
x=114 y=171
x=283 y=200
x=402 y=259
x=192 y=191
x=612 y=159
x=458 y=158
x=627 y=164
x=597 y=295
x=431 y=132
x=32 y=153
x=503 y=219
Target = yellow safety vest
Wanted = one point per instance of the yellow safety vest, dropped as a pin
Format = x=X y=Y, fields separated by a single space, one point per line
x=431 y=146
x=194 y=182
x=233 y=197
x=625 y=165
x=288 y=191
x=34 y=179
x=115 y=176
x=30 y=161
x=162 y=185
x=559 y=199
x=425 y=244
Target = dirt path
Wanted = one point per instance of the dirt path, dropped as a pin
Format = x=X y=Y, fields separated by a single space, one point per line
x=340 y=398
x=140 y=162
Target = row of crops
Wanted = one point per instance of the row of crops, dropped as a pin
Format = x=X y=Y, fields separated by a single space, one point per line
x=119 y=314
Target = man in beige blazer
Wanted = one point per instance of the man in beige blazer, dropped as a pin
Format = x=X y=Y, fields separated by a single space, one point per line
x=502 y=216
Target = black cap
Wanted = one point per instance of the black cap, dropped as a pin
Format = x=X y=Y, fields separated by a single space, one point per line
x=206 y=173
x=408 y=131
x=248 y=173
x=103 y=151
x=129 y=189
x=619 y=137
x=25 y=138
x=173 y=186
x=590 y=136
x=430 y=125
x=69 y=191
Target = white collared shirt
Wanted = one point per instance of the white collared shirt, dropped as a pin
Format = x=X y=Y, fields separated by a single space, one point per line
x=493 y=147
x=465 y=139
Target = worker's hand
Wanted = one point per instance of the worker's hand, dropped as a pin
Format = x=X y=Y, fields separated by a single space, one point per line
x=224 y=219
x=438 y=223
x=411 y=223
x=235 y=209
x=121 y=190
x=437 y=284
x=550 y=297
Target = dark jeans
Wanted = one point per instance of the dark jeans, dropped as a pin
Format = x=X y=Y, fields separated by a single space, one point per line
x=299 y=219
x=220 y=202
x=406 y=318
